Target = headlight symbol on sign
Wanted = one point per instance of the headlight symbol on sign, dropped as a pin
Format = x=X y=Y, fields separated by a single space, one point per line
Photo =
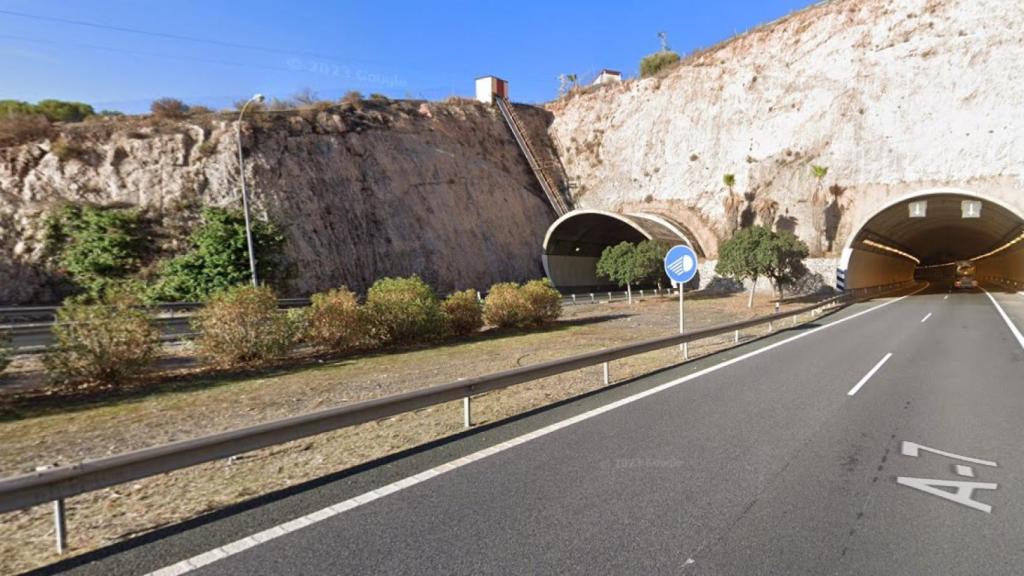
x=681 y=264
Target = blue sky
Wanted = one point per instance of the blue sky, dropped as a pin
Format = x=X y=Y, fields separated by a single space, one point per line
x=214 y=52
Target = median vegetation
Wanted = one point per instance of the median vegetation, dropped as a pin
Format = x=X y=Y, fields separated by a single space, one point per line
x=110 y=338
x=108 y=341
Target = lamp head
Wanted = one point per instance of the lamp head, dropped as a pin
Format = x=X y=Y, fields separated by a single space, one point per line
x=258 y=98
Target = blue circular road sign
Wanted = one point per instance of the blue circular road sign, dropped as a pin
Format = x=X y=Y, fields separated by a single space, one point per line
x=681 y=264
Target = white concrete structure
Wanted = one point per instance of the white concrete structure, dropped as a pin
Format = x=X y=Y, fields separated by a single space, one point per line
x=607 y=76
x=487 y=87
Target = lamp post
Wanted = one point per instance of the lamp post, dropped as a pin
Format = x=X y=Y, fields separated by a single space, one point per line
x=245 y=195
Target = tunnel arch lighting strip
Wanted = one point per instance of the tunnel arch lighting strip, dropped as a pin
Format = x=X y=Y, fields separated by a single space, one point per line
x=1006 y=246
x=874 y=244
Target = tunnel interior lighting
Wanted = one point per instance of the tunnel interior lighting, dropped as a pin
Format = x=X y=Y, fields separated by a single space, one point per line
x=918 y=209
x=1007 y=246
x=937 y=265
x=874 y=244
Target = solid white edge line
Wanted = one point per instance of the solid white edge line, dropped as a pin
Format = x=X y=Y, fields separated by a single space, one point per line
x=926 y=317
x=868 y=376
x=1013 y=327
x=230 y=549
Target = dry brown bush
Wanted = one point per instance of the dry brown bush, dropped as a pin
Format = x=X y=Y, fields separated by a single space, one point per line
x=21 y=128
x=106 y=342
x=462 y=312
x=335 y=322
x=169 y=108
x=242 y=326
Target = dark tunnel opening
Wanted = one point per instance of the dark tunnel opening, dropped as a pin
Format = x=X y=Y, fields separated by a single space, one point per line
x=574 y=244
x=925 y=236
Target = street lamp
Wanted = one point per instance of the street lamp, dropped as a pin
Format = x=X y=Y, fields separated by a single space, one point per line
x=245 y=195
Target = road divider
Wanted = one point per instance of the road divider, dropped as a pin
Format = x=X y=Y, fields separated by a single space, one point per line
x=868 y=376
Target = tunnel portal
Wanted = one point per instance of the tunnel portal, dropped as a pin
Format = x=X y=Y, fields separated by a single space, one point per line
x=574 y=242
x=923 y=236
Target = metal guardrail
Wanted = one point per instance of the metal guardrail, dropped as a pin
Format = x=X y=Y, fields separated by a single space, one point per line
x=57 y=483
x=15 y=312
x=177 y=328
x=1006 y=282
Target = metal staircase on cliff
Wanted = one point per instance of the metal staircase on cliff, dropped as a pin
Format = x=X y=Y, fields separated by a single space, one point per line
x=542 y=172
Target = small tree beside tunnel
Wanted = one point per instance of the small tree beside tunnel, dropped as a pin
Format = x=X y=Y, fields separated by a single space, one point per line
x=627 y=263
x=757 y=252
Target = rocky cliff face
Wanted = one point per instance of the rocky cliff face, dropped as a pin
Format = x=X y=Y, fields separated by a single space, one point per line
x=892 y=96
x=363 y=191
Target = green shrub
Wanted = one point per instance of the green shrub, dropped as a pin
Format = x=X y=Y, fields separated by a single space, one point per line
x=219 y=258
x=506 y=306
x=208 y=148
x=242 y=326
x=654 y=63
x=462 y=312
x=335 y=322
x=544 y=302
x=403 y=310
x=16 y=108
x=106 y=342
x=66 y=150
x=61 y=111
x=96 y=246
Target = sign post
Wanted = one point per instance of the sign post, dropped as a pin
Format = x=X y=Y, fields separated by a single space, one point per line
x=681 y=267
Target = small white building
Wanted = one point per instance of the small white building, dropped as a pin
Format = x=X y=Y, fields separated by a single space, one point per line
x=607 y=76
x=487 y=87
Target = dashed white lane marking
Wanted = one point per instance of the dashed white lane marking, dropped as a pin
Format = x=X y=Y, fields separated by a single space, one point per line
x=196 y=562
x=868 y=376
x=1013 y=327
x=926 y=317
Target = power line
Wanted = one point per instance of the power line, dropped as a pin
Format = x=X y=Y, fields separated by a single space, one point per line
x=149 y=54
x=180 y=37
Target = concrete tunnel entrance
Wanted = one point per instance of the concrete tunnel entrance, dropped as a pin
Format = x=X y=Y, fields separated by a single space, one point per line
x=574 y=242
x=924 y=235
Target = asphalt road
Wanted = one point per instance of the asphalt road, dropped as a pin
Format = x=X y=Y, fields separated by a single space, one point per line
x=790 y=457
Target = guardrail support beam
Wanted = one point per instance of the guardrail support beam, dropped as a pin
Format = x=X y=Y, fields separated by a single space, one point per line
x=60 y=525
x=606 y=379
x=467 y=414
